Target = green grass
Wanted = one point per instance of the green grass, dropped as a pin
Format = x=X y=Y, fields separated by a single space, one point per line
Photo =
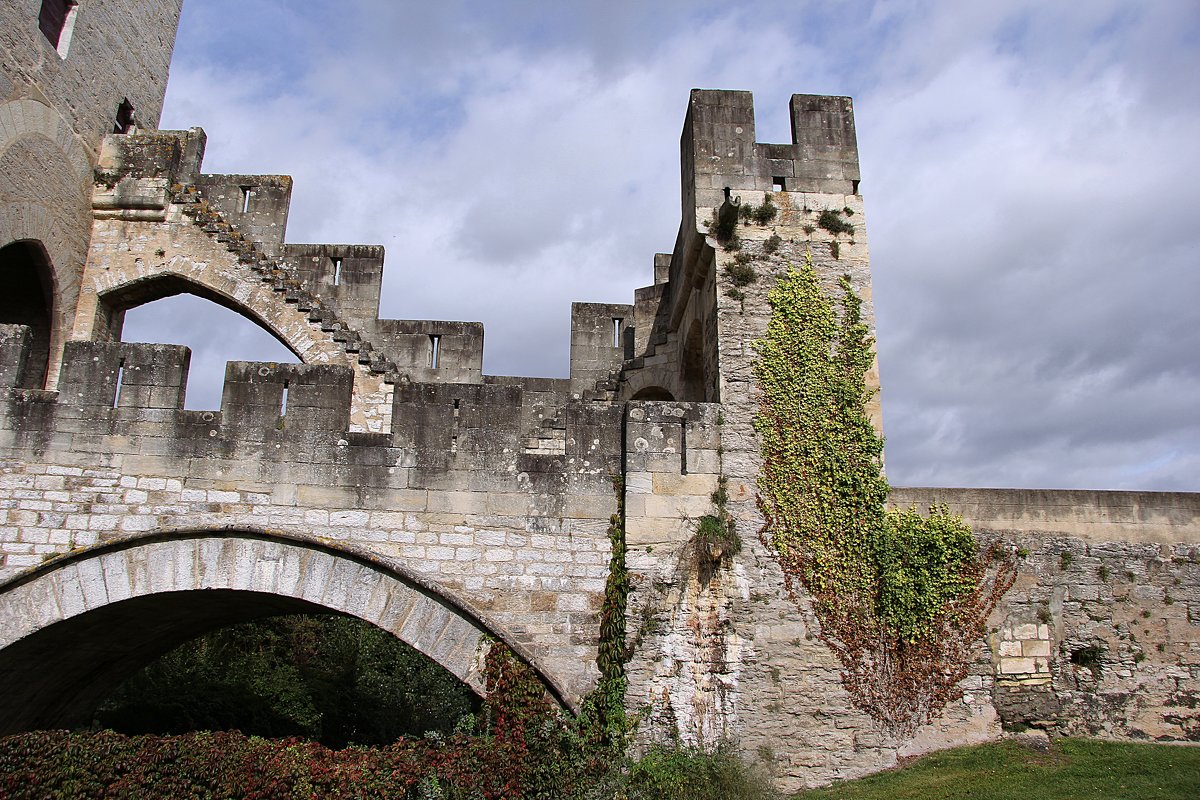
x=1078 y=769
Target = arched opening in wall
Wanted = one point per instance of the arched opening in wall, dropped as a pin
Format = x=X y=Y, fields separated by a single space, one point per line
x=85 y=623
x=28 y=299
x=215 y=335
x=218 y=659
x=333 y=679
x=653 y=393
x=692 y=364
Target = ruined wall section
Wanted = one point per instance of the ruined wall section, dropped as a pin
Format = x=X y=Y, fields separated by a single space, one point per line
x=687 y=647
x=1100 y=635
x=449 y=494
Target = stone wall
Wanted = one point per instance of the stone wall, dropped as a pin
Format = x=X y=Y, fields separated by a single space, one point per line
x=56 y=105
x=118 y=49
x=447 y=496
x=1098 y=635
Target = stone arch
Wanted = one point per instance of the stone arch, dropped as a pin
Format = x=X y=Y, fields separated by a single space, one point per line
x=72 y=629
x=132 y=282
x=113 y=303
x=45 y=184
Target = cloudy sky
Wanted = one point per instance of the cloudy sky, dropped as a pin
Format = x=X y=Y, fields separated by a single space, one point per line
x=1031 y=175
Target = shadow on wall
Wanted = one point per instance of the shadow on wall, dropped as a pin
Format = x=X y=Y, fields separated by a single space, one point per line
x=27 y=299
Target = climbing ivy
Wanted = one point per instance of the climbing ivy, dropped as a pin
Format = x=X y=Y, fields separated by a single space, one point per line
x=901 y=598
x=602 y=719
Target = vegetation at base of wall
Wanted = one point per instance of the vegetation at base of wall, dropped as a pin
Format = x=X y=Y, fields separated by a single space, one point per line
x=901 y=598
x=681 y=773
x=500 y=766
x=336 y=680
x=1070 y=769
x=519 y=746
x=516 y=751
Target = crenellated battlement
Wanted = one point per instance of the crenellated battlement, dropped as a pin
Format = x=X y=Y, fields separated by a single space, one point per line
x=136 y=392
x=719 y=148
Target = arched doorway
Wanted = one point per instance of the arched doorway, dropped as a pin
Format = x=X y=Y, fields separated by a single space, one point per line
x=28 y=299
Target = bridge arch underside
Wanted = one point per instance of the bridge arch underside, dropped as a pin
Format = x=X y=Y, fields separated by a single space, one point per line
x=74 y=630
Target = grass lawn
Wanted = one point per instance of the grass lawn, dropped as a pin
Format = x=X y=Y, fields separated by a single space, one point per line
x=1079 y=769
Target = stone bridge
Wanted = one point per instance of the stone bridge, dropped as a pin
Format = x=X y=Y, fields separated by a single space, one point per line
x=386 y=477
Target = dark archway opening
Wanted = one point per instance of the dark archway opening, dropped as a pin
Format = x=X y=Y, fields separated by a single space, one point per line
x=692 y=366
x=329 y=678
x=143 y=665
x=28 y=299
x=653 y=393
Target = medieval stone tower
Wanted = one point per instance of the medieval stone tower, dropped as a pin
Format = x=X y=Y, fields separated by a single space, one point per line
x=387 y=477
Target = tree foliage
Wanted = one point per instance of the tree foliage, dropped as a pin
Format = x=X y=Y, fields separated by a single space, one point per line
x=337 y=680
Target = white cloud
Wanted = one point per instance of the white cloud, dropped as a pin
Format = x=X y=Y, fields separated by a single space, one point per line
x=1029 y=173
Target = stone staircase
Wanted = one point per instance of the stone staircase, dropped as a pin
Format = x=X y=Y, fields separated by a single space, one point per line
x=274 y=273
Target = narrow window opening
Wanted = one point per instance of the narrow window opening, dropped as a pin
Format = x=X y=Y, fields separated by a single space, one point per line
x=778 y=184
x=853 y=187
x=456 y=406
x=683 y=448
x=435 y=346
x=120 y=381
x=56 y=20
x=454 y=443
x=617 y=323
x=125 y=117
x=283 y=401
x=246 y=192
x=337 y=271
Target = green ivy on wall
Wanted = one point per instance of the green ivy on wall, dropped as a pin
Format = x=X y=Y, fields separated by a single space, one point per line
x=901 y=598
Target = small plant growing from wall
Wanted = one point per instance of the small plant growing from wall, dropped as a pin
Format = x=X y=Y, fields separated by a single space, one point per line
x=772 y=243
x=723 y=226
x=716 y=534
x=833 y=222
x=740 y=274
x=759 y=215
x=902 y=599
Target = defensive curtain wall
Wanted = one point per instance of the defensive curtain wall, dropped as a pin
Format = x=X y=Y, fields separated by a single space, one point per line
x=386 y=477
